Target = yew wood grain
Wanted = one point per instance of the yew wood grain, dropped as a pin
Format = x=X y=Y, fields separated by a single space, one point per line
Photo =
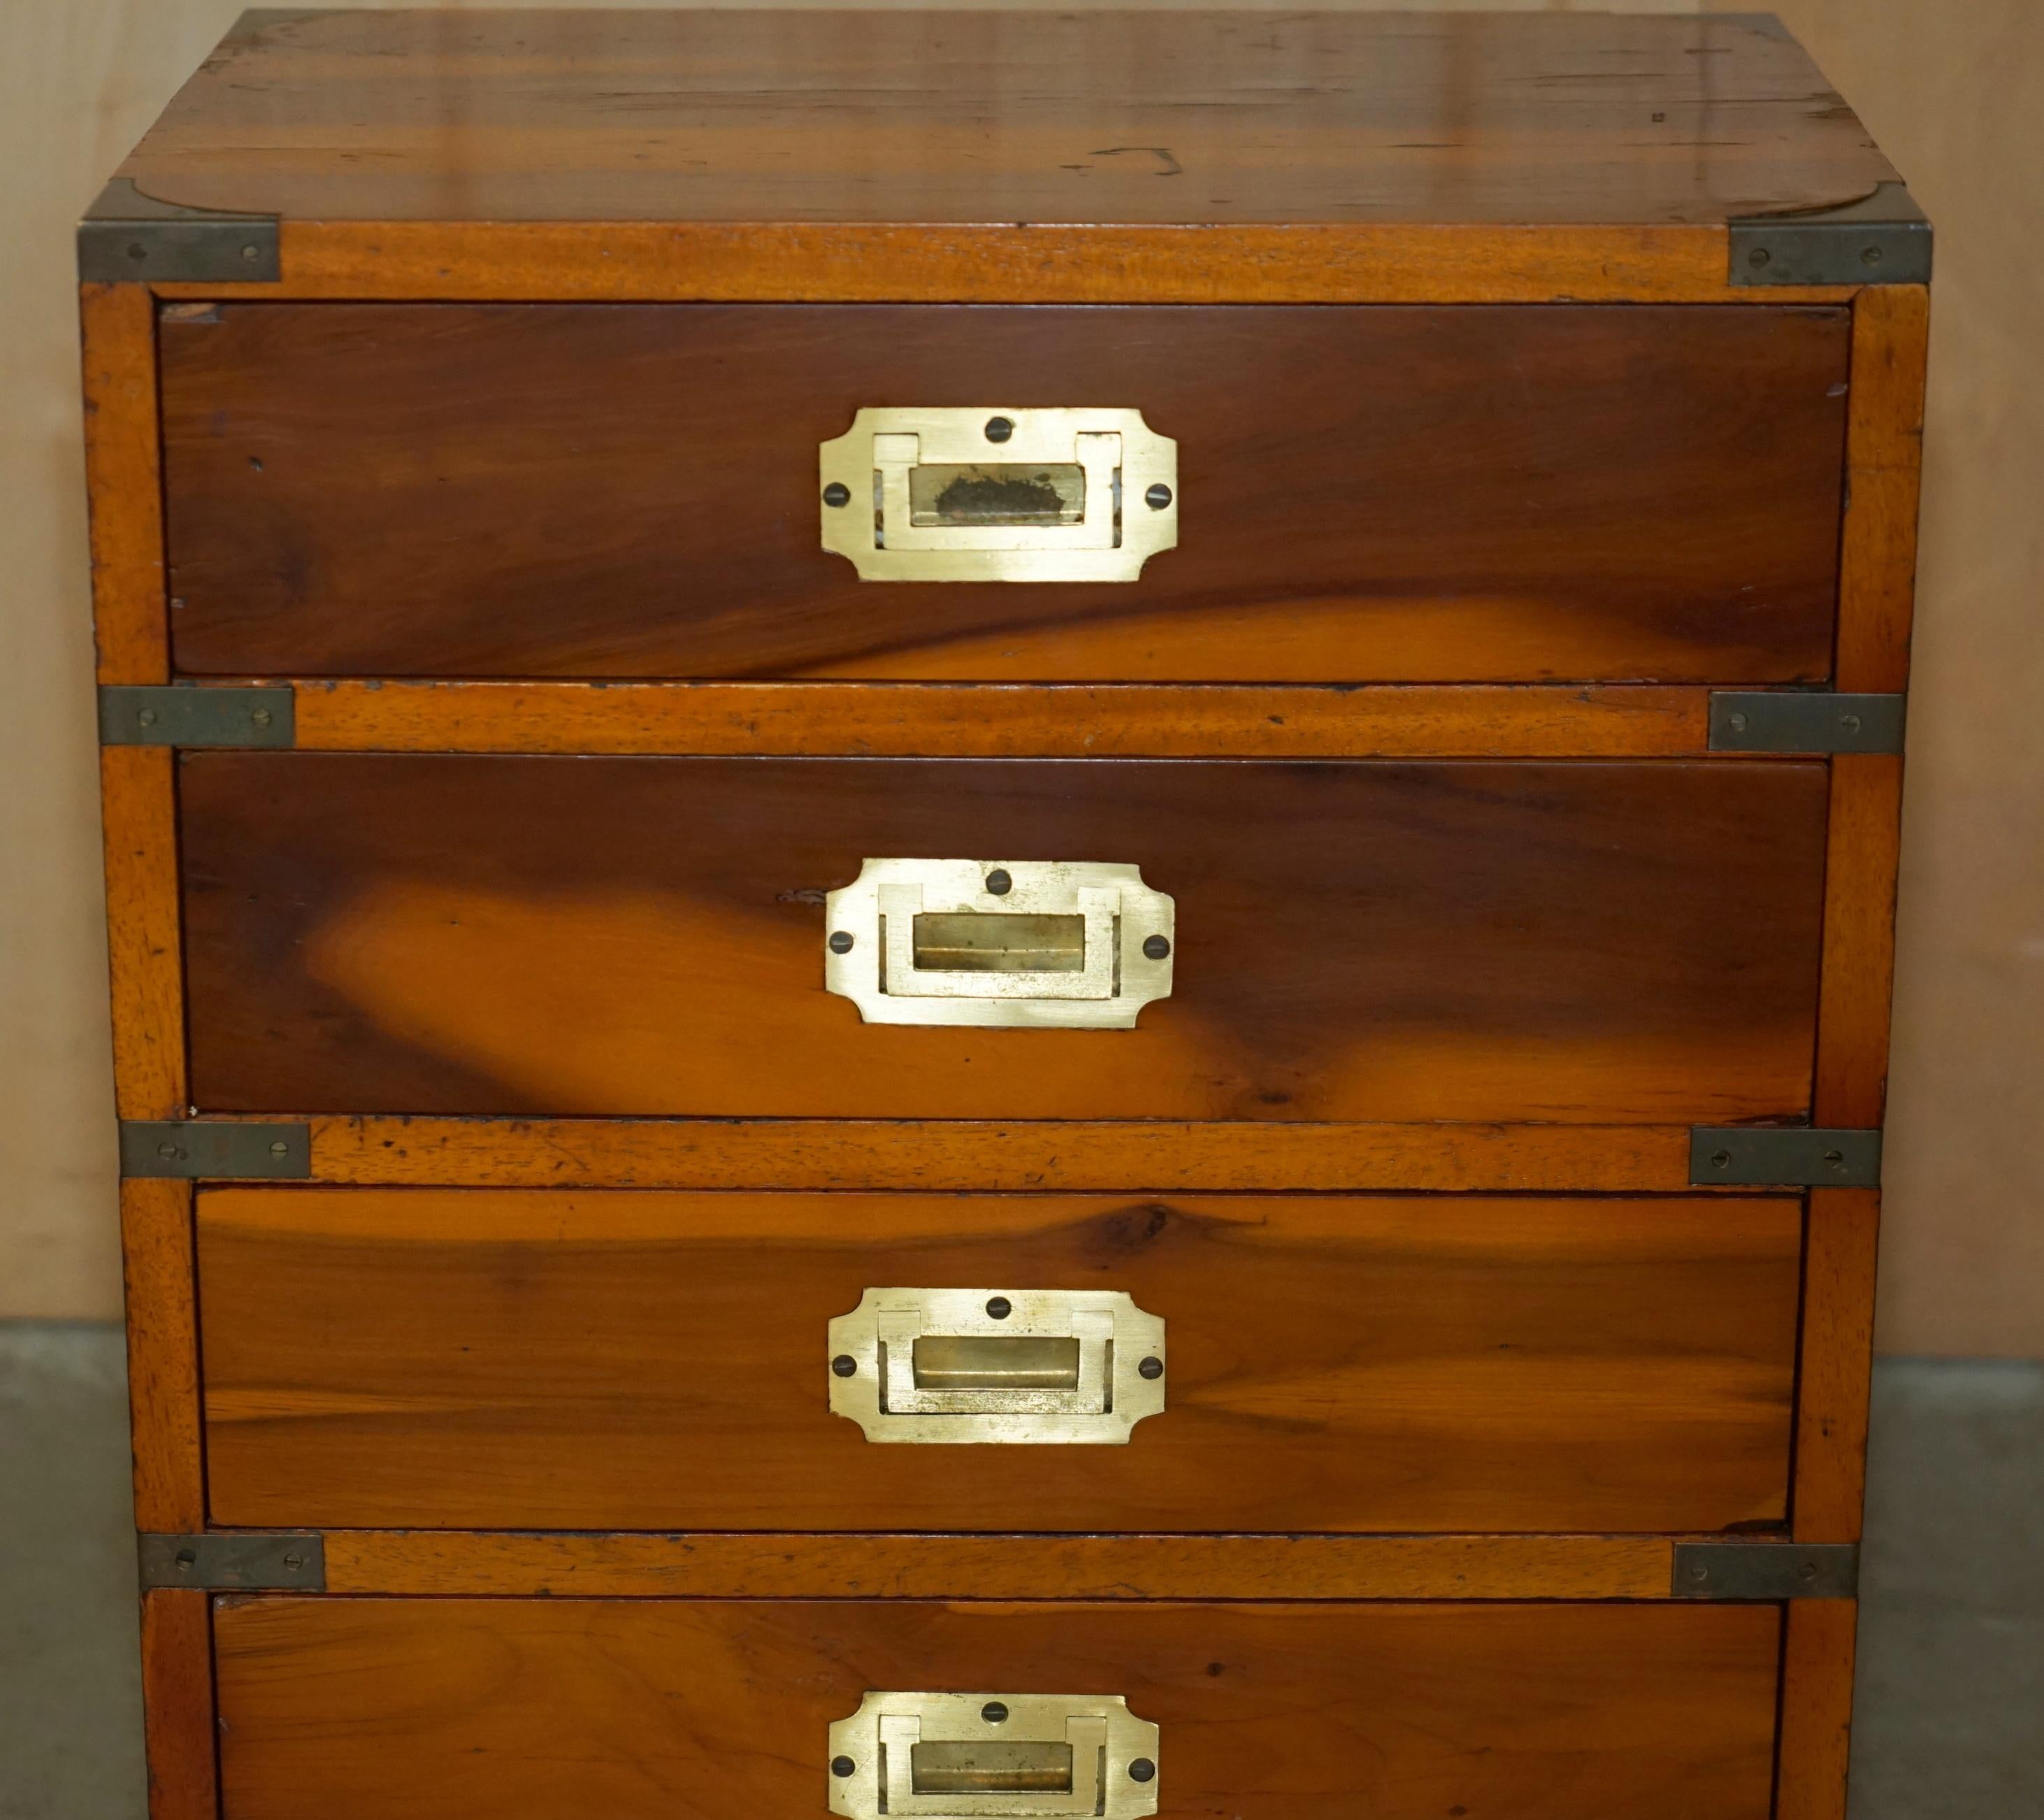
x=1589 y=943
x=853 y=262
x=145 y=971
x=1151 y=1155
x=552 y=1361
x=1884 y=462
x=159 y=1272
x=123 y=464
x=1384 y=495
x=938 y=720
x=448 y=1563
x=1817 y=1659
x=426 y=1707
x=1835 y=1381
x=178 y=1707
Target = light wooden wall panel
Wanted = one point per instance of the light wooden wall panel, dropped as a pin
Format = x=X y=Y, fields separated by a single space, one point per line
x=1956 y=95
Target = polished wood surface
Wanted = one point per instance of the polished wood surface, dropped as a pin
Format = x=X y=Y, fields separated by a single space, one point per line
x=937 y=719
x=429 y=1709
x=159 y=1280
x=529 y=1565
x=1388 y=495
x=1157 y=1155
x=1863 y=847
x=549 y=1361
x=178 y=1721
x=1589 y=942
x=1165 y=118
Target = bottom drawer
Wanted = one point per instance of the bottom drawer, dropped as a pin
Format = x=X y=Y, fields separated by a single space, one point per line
x=545 y=1710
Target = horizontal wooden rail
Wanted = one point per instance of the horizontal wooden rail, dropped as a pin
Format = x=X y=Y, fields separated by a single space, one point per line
x=793 y=262
x=1132 y=1155
x=443 y=1562
x=1004 y=720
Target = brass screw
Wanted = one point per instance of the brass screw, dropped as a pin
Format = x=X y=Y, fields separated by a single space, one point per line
x=251 y=254
x=994 y=1713
x=1142 y=1770
x=842 y=1766
x=168 y=1151
x=840 y=941
x=1738 y=723
x=1158 y=497
x=845 y=1365
x=998 y=883
x=1850 y=722
x=148 y=717
x=1758 y=257
x=1869 y=255
x=1151 y=1368
x=294 y=1562
x=1156 y=946
x=1700 y=1573
x=280 y=1148
x=837 y=494
x=999 y=428
x=261 y=716
x=1000 y=1308
x=1721 y=1160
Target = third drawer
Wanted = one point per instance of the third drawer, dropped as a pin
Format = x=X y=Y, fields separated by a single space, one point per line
x=503 y=1358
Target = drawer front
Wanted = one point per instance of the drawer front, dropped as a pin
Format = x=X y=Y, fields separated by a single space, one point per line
x=616 y=1361
x=1582 y=942
x=427 y=1709
x=1364 y=494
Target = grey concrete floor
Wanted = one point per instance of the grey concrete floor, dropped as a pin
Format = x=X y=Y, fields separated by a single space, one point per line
x=1950 y=1724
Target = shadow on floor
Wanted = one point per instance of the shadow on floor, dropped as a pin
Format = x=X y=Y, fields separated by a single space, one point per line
x=1951 y=1684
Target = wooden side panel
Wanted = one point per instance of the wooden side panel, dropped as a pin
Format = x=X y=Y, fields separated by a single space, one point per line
x=1885 y=456
x=428 y=1709
x=1836 y=1363
x=1391 y=494
x=178 y=1704
x=162 y=1355
x=138 y=786
x=1576 y=943
x=1863 y=843
x=515 y=1361
x=118 y=325
x=1816 y=1708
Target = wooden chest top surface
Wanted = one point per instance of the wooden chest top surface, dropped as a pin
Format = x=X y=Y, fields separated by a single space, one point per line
x=1015 y=117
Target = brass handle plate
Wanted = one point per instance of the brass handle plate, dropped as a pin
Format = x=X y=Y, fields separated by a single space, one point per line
x=1015 y=943
x=992 y=493
x=1043 y=1367
x=992 y=1757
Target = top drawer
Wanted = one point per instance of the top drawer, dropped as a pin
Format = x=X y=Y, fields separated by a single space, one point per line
x=1463 y=494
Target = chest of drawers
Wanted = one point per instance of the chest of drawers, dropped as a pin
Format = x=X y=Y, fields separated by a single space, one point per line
x=1001 y=909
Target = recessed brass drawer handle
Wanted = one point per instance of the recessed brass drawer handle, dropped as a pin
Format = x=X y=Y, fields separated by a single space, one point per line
x=1045 y=1366
x=992 y=1757
x=989 y=493
x=1057 y=944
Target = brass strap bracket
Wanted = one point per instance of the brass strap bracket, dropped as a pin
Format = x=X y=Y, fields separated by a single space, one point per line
x=195 y=715
x=1881 y=239
x=1804 y=720
x=267 y=1561
x=128 y=238
x=1785 y=1156
x=215 y=1150
x=1765 y=1570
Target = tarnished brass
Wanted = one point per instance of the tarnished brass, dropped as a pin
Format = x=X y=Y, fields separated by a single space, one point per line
x=994 y=494
x=1055 y=943
x=992 y=1757
x=1046 y=1366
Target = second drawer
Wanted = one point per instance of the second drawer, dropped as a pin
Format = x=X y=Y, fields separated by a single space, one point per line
x=638 y=1361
